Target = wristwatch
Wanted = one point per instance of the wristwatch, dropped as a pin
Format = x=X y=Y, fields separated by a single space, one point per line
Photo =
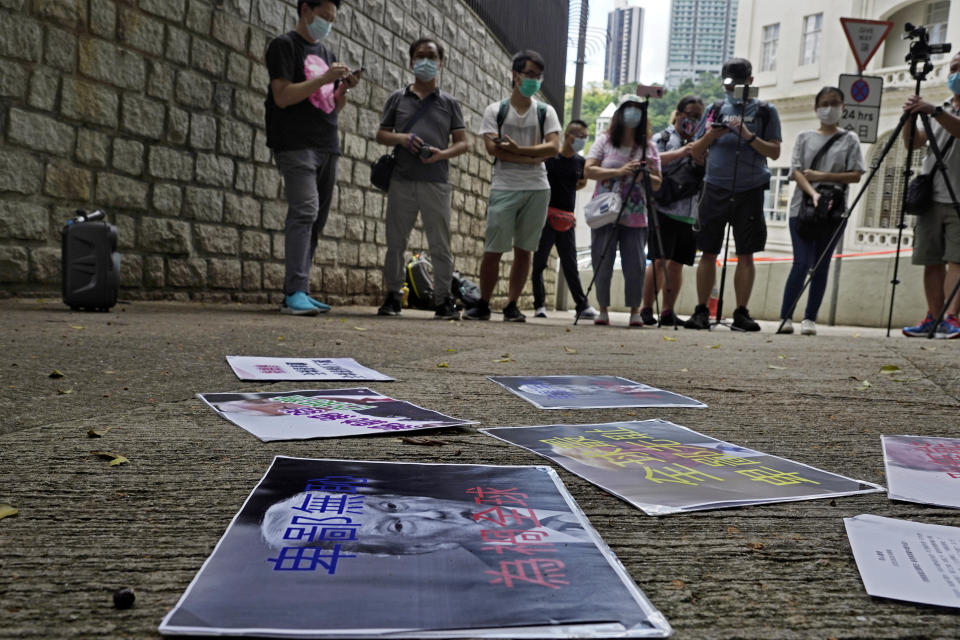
x=937 y=110
x=750 y=141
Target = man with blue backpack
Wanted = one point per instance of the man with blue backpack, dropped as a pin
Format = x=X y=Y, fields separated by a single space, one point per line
x=520 y=134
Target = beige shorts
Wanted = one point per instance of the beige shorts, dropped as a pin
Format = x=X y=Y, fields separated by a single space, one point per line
x=936 y=237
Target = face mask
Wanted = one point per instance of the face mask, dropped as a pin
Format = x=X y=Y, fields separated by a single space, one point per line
x=529 y=86
x=319 y=28
x=632 y=117
x=425 y=69
x=829 y=115
x=953 y=82
x=687 y=127
x=578 y=144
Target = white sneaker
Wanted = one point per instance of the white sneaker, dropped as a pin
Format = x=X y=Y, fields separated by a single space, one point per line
x=787 y=326
x=808 y=327
x=540 y=312
x=602 y=318
x=589 y=313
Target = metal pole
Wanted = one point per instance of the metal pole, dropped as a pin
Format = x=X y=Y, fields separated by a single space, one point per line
x=835 y=291
x=581 y=46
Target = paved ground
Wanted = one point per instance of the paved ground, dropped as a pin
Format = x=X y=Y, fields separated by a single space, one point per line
x=776 y=571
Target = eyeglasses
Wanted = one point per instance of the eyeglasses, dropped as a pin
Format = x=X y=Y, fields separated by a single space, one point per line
x=533 y=75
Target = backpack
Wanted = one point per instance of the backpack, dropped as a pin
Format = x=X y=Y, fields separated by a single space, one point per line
x=420 y=282
x=682 y=179
x=465 y=290
x=505 y=107
x=763 y=113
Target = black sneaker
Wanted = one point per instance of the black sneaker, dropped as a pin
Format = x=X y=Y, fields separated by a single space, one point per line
x=512 y=314
x=700 y=318
x=447 y=310
x=392 y=305
x=743 y=322
x=669 y=319
x=646 y=316
x=479 y=312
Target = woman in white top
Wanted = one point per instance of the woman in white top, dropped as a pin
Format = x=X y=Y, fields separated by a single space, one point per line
x=612 y=161
x=840 y=165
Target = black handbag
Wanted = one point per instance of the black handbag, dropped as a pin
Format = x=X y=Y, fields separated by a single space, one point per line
x=681 y=179
x=832 y=204
x=382 y=170
x=919 y=196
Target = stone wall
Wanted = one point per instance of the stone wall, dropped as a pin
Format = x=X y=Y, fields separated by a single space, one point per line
x=153 y=111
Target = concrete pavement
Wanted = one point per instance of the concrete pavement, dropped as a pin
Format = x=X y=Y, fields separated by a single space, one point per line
x=775 y=571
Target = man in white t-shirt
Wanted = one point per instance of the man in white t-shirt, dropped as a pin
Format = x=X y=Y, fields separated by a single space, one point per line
x=520 y=134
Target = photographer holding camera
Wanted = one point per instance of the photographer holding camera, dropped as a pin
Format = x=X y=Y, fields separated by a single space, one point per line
x=937 y=232
x=428 y=118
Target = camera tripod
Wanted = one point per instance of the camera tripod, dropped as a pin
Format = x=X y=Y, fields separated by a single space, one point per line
x=919 y=75
x=653 y=220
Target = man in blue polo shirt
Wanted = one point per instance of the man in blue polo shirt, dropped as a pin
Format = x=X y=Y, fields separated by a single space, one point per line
x=737 y=138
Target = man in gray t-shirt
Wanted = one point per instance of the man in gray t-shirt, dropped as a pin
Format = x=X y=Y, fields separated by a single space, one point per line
x=420 y=120
x=936 y=237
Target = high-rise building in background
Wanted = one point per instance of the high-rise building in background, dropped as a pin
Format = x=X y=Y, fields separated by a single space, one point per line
x=702 y=36
x=624 y=41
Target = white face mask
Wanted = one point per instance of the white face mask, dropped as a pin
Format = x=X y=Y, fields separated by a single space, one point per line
x=578 y=144
x=829 y=115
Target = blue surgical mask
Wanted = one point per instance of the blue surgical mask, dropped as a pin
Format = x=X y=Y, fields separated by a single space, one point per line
x=578 y=144
x=632 y=117
x=319 y=28
x=953 y=83
x=425 y=69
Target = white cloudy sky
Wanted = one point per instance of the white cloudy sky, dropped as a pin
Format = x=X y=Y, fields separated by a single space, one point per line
x=653 y=57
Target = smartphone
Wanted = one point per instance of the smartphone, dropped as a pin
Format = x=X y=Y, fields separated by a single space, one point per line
x=717 y=125
x=358 y=71
x=496 y=140
x=649 y=91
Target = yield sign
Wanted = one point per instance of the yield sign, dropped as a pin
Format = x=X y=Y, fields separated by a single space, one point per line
x=865 y=37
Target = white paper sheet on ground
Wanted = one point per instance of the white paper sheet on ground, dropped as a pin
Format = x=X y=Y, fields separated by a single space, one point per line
x=256 y=368
x=923 y=469
x=907 y=560
x=326 y=413
x=591 y=392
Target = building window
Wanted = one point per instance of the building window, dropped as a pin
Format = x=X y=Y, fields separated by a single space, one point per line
x=768 y=51
x=881 y=207
x=810 y=42
x=937 y=14
x=776 y=199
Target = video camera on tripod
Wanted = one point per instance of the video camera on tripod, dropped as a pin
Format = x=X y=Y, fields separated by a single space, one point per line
x=921 y=50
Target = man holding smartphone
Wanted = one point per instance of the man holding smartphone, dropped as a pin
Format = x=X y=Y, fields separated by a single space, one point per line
x=740 y=135
x=308 y=88
x=420 y=120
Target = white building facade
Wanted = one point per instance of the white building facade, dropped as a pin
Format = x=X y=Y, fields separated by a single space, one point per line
x=796 y=49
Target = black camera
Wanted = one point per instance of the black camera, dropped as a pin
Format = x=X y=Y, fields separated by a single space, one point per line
x=920 y=48
x=425 y=152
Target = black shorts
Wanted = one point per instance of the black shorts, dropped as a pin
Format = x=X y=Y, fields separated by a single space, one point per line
x=679 y=241
x=745 y=215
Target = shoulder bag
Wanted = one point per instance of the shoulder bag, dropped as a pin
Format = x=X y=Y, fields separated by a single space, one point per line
x=382 y=170
x=920 y=189
x=813 y=220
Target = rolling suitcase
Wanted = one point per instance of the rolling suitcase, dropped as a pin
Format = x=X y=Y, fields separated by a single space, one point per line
x=90 y=262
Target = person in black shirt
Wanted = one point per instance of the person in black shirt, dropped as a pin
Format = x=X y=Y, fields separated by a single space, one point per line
x=565 y=173
x=308 y=88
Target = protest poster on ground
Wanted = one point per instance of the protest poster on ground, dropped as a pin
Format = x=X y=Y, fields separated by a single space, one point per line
x=590 y=392
x=256 y=368
x=923 y=469
x=662 y=468
x=327 y=413
x=353 y=549
x=906 y=560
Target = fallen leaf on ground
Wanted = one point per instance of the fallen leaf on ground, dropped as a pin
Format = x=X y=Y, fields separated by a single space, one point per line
x=115 y=458
x=7 y=510
x=889 y=368
x=684 y=370
x=631 y=413
x=360 y=328
x=56 y=374
x=504 y=360
x=280 y=338
x=669 y=339
x=78 y=327
x=94 y=433
x=773 y=366
x=679 y=584
x=782 y=356
x=866 y=385
x=451 y=350
x=424 y=442
x=109 y=372
x=713 y=346
x=929 y=348
x=756 y=546
x=64 y=392
x=856 y=335
x=570 y=350
x=568 y=329
x=443 y=365
x=733 y=530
